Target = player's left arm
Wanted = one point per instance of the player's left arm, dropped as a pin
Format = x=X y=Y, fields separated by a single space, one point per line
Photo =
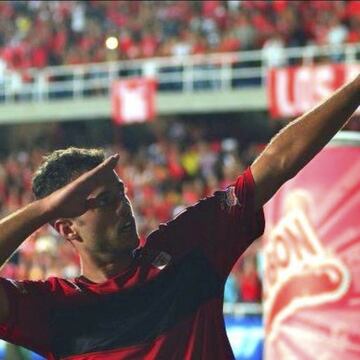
x=294 y=146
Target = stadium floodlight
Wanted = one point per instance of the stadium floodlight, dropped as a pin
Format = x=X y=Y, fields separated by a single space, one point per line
x=112 y=43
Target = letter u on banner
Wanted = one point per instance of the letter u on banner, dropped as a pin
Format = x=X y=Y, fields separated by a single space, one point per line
x=133 y=100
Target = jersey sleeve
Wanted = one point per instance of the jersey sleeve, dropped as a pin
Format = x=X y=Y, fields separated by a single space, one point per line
x=222 y=226
x=28 y=322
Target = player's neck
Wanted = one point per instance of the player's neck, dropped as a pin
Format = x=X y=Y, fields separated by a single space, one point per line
x=99 y=269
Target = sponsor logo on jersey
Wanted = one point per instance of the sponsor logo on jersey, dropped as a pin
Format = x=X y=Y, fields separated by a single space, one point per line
x=229 y=199
x=161 y=260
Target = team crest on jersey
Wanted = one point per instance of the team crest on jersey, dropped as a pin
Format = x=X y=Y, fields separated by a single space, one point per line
x=230 y=199
x=161 y=260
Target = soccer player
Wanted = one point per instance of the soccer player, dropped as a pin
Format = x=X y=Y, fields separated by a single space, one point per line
x=162 y=300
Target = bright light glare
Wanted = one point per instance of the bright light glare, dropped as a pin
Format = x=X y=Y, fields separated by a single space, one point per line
x=111 y=43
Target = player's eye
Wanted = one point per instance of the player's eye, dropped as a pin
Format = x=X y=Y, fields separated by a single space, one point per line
x=111 y=198
x=106 y=199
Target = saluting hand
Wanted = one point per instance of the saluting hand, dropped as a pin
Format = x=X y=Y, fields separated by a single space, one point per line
x=73 y=199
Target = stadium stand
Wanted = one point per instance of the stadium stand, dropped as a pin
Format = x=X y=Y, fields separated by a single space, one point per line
x=39 y=34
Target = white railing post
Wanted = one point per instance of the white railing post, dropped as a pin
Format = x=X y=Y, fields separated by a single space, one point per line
x=350 y=54
x=112 y=73
x=41 y=86
x=188 y=76
x=225 y=74
x=308 y=55
x=78 y=82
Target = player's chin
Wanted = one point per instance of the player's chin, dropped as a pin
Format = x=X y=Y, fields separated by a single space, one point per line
x=134 y=239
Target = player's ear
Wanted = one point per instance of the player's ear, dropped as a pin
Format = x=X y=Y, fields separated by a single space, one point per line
x=66 y=228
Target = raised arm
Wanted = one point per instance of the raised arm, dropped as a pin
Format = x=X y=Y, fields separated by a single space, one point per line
x=14 y=229
x=70 y=201
x=295 y=145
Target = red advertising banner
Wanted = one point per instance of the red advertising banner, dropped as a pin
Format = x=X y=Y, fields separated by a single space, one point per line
x=133 y=100
x=312 y=261
x=295 y=90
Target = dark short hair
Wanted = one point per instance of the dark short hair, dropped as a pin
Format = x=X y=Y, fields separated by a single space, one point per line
x=61 y=167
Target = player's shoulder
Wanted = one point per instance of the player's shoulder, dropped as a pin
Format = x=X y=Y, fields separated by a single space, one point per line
x=26 y=287
x=51 y=285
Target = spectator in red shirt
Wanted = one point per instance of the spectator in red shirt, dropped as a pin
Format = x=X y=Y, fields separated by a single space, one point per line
x=249 y=282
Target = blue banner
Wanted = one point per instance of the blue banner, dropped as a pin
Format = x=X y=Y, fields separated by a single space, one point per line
x=246 y=336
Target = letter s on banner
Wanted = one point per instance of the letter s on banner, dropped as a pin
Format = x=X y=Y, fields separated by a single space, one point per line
x=133 y=100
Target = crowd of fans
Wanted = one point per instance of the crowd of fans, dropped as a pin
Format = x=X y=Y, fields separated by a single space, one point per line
x=162 y=178
x=42 y=33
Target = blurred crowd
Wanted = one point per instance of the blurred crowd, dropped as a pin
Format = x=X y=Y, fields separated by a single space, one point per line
x=42 y=33
x=161 y=178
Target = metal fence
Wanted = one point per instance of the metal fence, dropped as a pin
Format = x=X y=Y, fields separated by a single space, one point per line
x=211 y=72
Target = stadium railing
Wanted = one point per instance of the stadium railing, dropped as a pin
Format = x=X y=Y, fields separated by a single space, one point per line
x=210 y=72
